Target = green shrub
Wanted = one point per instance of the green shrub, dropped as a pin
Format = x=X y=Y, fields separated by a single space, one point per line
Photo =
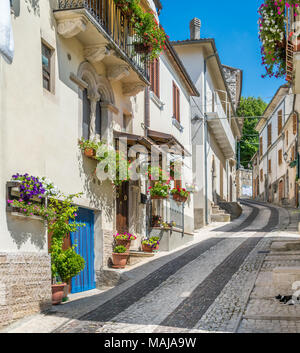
x=120 y=249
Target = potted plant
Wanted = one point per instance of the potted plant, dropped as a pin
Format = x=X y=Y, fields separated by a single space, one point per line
x=180 y=194
x=156 y=221
x=58 y=292
x=148 y=245
x=67 y=264
x=64 y=263
x=159 y=191
x=124 y=239
x=120 y=256
x=89 y=147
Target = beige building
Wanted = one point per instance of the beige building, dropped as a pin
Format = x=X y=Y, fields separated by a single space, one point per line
x=75 y=74
x=275 y=165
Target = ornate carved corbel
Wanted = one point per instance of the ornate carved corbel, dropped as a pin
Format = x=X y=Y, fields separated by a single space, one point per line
x=132 y=88
x=96 y=53
x=117 y=72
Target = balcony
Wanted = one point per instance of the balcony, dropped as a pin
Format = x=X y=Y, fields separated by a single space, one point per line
x=220 y=128
x=106 y=35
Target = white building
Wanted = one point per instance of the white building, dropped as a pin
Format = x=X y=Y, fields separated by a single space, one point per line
x=214 y=151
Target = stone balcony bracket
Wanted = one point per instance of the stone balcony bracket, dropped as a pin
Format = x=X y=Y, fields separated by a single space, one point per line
x=97 y=53
x=70 y=26
x=132 y=88
x=118 y=72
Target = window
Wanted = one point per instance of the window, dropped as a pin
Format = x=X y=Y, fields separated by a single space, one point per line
x=155 y=77
x=176 y=102
x=294 y=124
x=280 y=157
x=46 y=63
x=261 y=175
x=287 y=137
x=260 y=146
x=270 y=166
x=269 y=135
x=279 y=116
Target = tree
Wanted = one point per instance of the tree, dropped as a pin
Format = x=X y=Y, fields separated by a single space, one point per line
x=252 y=108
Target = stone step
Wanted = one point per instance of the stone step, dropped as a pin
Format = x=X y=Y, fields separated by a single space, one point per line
x=218 y=211
x=138 y=256
x=220 y=218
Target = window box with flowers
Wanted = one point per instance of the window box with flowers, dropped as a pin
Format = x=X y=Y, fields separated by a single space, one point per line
x=180 y=194
x=159 y=191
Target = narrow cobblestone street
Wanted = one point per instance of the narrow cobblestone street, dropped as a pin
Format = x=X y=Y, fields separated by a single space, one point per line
x=204 y=289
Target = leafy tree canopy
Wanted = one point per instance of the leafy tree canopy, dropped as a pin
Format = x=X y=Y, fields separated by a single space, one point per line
x=250 y=107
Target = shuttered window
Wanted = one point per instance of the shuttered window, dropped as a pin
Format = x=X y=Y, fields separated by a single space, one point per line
x=176 y=102
x=155 y=77
x=280 y=157
x=269 y=135
x=261 y=175
x=279 y=121
x=270 y=166
x=287 y=137
x=260 y=146
x=294 y=124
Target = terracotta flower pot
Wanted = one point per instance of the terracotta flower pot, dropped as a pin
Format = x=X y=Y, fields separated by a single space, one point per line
x=123 y=242
x=119 y=260
x=57 y=293
x=147 y=248
x=89 y=152
x=179 y=198
x=158 y=197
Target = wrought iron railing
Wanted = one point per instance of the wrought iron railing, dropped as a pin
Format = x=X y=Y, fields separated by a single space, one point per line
x=117 y=25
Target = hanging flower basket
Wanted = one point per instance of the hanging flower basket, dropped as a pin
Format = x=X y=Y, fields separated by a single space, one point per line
x=158 y=197
x=142 y=48
x=178 y=198
x=180 y=195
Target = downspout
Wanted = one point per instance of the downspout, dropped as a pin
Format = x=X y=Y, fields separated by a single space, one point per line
x=146 y=129
x=147 y=111
x=297 y=145
x=205 y=137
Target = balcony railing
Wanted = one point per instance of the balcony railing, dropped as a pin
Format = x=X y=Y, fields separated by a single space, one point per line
x=116 y=25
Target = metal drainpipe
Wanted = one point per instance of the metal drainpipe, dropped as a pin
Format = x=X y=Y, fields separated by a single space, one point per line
x=205 y=137
x=146 y=128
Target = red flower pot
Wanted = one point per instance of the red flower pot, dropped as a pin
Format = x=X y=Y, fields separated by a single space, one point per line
x=179 y=198
x=57 y=293
x=147 y=248
x=123 y=242
x=119 y=260
x=89 y=152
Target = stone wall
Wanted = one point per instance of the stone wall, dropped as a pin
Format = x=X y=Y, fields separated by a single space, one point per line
x=25 y=285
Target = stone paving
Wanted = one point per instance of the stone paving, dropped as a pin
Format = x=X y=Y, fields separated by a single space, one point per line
x=220 y=283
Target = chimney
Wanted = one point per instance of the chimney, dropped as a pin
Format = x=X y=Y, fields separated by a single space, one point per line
x=195 y=26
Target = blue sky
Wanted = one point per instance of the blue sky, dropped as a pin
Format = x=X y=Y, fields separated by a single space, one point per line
x=233 y=25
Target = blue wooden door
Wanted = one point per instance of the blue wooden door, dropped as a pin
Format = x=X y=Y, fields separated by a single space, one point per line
x=84 y=239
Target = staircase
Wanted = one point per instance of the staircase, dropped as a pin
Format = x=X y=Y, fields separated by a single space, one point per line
x=219 y=215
